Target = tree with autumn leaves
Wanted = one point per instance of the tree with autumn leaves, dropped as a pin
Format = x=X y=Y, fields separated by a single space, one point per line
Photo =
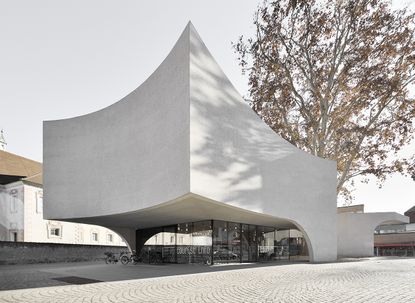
x=334 y=79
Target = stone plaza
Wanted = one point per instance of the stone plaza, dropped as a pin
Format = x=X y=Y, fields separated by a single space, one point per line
x=364 y=280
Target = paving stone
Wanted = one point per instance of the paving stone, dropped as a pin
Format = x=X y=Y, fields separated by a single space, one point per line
x=373 y=280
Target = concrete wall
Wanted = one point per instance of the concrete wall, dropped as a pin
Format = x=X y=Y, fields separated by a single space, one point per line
x=356 y=231
x=27 y=252
x=235 y=158
x=185 y=131
x=128 y=156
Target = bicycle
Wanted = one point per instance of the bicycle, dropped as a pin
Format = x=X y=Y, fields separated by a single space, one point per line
x=207 y=260
x=110 y=258
x=155 y=257
x=127 y=257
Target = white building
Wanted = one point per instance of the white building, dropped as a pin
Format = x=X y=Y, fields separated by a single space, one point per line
x=183 y=159
x=185 y=154
x=21 y=209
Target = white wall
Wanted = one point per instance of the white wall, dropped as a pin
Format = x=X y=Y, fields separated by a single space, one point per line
x=356 y=231
x=39 y=230
x=130 y=155
x=235 y=158
x=184 y=131
x=11 y=211
x=21 y=211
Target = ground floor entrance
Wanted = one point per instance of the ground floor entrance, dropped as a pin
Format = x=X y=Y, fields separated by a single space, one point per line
x=214 y=241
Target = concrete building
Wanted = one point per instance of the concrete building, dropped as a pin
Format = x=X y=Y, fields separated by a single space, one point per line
x=396 y=239
x=21 y=209
x=356 y=229
x=185 y=171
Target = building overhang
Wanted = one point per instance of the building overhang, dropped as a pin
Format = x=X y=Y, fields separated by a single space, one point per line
x=188 y=208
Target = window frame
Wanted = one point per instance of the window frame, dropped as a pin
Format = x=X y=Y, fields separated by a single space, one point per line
x=39 y=202
x=110 y=238
x=94 y=236
x=52 y=232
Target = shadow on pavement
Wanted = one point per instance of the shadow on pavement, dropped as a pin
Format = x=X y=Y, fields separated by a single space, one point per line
x=55 y=274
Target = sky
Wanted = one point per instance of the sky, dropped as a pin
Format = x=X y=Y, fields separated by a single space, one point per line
x=60 y=59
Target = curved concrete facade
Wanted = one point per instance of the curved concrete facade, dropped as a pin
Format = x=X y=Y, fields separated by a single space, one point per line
x=185 y=146
x=356 y=231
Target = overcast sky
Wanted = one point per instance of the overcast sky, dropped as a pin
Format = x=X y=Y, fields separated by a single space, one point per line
x=60 y=59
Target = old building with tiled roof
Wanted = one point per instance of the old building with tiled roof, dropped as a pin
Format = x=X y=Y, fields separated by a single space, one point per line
x=21 y=209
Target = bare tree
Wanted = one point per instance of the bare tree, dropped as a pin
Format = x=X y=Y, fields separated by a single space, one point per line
x=333 y=78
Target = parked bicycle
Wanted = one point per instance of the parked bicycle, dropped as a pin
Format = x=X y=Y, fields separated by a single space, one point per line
x=110 y=258
x=155 y=257
x=127 y=257
x=207 y=260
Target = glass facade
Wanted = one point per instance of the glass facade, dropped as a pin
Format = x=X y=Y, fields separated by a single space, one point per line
x=214 y=241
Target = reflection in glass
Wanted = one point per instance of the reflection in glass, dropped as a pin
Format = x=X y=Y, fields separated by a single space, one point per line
x=234 y=242
x=169 y=244
x=266 y=249
x=297 y=246
x=212 y=241
x=282 y=244
x=202 y=242
x=221 y=252
x=184 y=243
x=245 y=242
x=253 y=243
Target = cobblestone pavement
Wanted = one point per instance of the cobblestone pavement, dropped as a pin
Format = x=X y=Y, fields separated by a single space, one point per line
x=373 y=280
x=26 y=278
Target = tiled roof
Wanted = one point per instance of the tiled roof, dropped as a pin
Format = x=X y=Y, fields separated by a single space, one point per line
x=37 y=179
x=16 y=166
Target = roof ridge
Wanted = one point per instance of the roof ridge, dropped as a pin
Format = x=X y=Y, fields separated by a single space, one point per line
x=18 y=156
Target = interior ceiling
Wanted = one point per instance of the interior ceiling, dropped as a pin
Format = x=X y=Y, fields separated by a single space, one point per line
x=189 y=209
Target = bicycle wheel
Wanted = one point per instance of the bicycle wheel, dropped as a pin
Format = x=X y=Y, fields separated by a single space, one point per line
x=135 y=260
x=125 y=260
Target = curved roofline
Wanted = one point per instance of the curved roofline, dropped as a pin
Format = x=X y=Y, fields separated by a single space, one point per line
x=173 y=201
x=135 y=89
x=187 y=32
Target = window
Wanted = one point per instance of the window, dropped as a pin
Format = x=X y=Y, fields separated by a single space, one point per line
x=55 y=232
x=39 y=202
x=13 y=205
x=109 y=238
x=13 y=201
x=95 y=237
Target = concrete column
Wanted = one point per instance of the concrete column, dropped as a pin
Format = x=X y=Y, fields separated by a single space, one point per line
x=128 y=234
